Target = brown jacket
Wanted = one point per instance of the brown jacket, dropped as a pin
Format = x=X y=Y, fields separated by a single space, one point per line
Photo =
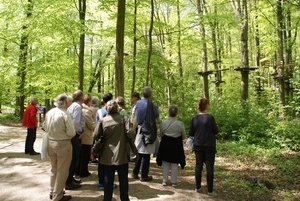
x=116 y=150
x=87 y=137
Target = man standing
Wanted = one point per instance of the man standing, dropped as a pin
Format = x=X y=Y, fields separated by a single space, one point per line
x=135 y=97
x=75 y=110
x=59 y=126
x=145 y=151
x=30 y=121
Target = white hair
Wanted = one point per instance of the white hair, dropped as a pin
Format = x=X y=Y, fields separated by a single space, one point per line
x=32 y=99
x=61 y=100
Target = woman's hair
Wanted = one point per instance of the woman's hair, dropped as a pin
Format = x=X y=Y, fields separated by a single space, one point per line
x=173 y=111
x=121 y=102
x=112 y=107
x=87 y=99
x=95 y=101
x=202 y=104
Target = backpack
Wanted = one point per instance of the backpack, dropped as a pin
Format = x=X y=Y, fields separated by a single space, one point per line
x=148 y=129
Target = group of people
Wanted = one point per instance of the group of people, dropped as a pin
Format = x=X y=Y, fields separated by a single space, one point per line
x=76 y=122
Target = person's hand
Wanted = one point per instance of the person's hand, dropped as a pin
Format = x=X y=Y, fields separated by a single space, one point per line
x=80 y=137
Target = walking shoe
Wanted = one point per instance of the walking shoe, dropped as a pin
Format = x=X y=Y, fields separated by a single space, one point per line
x=65 y=198
x=164 y=183
x=51 y=194
x=86 y=175
x=34 y=153
x=149 y=178
x=77 y=181
x=197 y=190
x=135 y=176
x=212 y=194
x=72 y=186
x=101 y=186
x=174 y=185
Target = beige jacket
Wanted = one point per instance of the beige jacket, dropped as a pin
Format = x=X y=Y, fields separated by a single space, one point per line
x=116 y=150
x=59 y=125
x=87 y=137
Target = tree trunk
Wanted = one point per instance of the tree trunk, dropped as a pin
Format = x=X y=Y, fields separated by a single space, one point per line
x=23 y=62
x=119 y=66
x=134 y=47
x=82 y=11
x=150 y=44
x=200 y=10
x=280 y=66
x=179 y=61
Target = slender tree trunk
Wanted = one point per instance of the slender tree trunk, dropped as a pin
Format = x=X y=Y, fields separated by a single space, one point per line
x=23 y=61
x=200 y=9
x=134 y=47
x=281 y=63
x=82 y=11
x=119 y=66
x=241 y=10
x=179 y=61
x=150 y=44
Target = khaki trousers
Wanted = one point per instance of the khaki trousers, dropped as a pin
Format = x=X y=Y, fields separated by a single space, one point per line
x=60 y=154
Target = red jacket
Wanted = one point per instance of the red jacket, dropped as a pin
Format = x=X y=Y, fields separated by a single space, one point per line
x=29 y=118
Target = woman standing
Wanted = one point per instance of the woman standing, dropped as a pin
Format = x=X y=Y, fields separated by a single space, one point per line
x=115 y=154
x=171 y=152
x=87 y=137
x=204 y=129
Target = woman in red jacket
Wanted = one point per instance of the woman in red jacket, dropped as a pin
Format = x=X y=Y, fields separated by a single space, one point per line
x=30 y=121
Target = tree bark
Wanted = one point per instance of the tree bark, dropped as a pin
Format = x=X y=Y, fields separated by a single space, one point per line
x=150 y=44
x=200 y=10
x=179 y=60
x=119 y=66
x=23 y=62
x=82 y=11
x=281 y=63
x=134 y=47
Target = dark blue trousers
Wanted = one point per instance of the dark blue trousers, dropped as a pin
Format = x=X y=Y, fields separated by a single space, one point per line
x=30 y=139
x=144 y=161
x=109 y=177
x=207 y=157
x=76 y=145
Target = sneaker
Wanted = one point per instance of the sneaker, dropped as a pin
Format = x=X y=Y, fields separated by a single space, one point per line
x=174 y=185
x=212 y=194
x=197 y=190
x=66 y=198
x=164 y=183
x=146 y=179
x=101 y=186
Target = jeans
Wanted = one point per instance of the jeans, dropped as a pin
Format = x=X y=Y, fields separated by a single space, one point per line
x=30 y=139
x=207 y=157
x=76 y=144
x=144 y=160
x=109 y=177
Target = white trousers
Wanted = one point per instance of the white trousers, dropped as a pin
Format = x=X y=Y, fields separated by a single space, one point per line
x=174 y=171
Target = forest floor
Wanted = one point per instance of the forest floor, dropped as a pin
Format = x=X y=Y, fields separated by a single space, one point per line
x=26 y=178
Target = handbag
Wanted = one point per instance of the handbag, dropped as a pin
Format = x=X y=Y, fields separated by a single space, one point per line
x=190 y=143
x=98 y=147
x=98 y=143
x=44 y=150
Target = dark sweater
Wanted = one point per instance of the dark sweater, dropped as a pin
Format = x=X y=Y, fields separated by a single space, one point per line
x=204 y=129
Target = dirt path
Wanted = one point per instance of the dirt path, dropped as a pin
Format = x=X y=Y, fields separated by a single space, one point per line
x=26 y=178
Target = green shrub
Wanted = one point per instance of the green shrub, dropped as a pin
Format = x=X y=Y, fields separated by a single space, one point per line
x=286 y=134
